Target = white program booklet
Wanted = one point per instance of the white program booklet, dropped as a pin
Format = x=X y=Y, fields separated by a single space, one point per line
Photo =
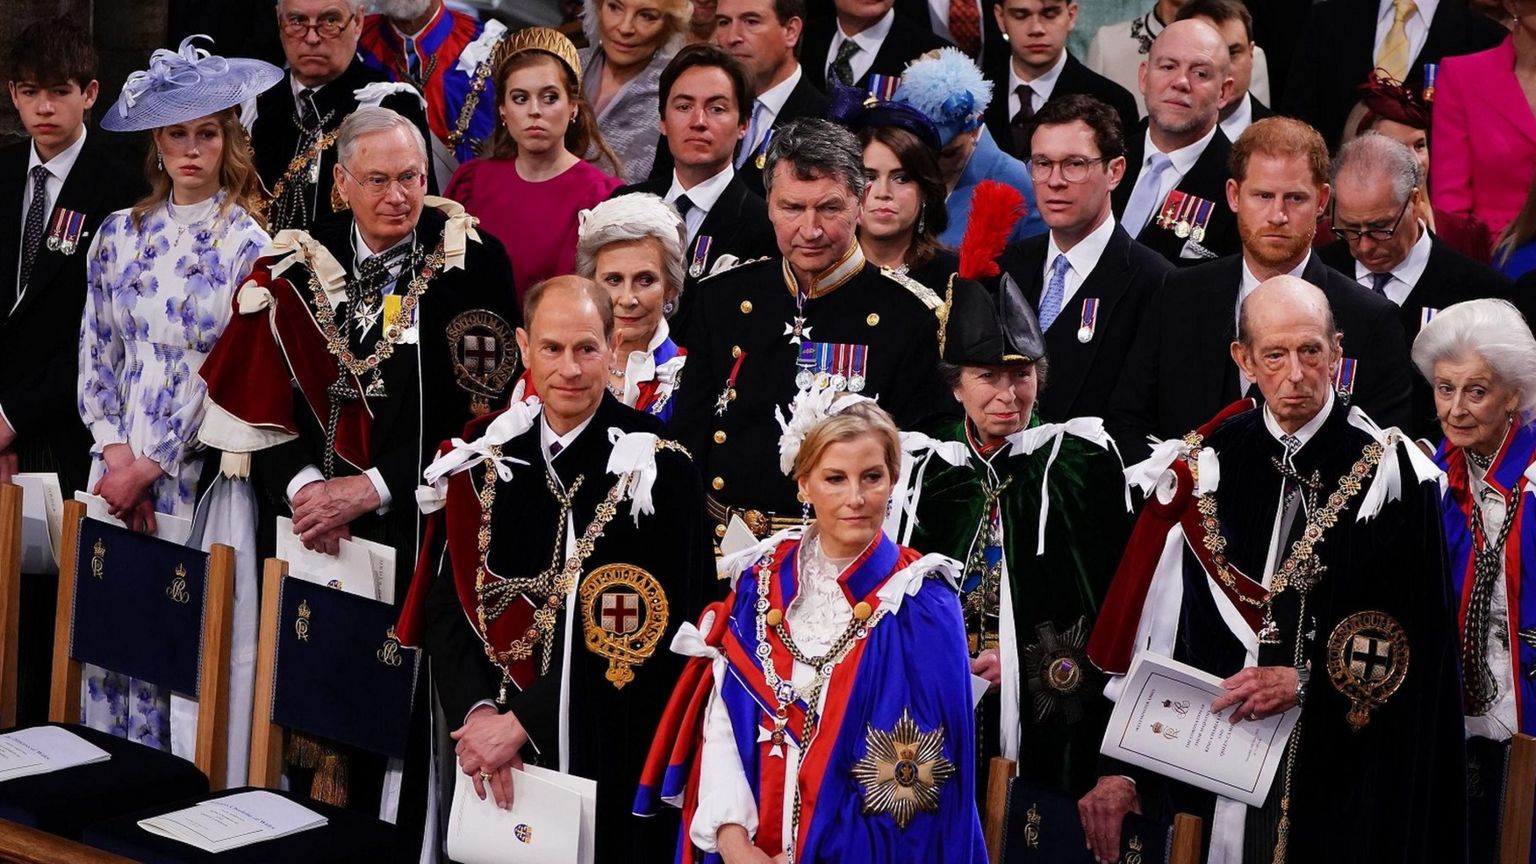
x=42 y=515
x=176 y=529
x=1163 y=723
x=553 y=820
x=234 y=821
x=358 y=567
x=41 y=749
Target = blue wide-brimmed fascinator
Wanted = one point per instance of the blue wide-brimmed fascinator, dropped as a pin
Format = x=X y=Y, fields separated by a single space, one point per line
x=857 y=109
x=948 y=89
x=186 y=84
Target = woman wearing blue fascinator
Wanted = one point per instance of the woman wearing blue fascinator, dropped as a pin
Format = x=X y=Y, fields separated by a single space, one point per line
x=160 y=280
x=904 y=210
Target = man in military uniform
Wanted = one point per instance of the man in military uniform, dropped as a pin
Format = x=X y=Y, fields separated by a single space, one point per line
x=548 y=633
x=396 y=322
x=769 y=327
x=295 y=128
x=1312 y=575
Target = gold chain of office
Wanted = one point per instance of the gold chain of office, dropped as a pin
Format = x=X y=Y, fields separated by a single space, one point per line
x=393 y=330
x=1302 y=562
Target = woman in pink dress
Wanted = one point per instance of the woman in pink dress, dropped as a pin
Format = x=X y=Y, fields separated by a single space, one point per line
x=528 y=189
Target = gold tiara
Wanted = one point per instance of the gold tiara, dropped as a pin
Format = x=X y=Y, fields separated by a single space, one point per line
x=541 y=39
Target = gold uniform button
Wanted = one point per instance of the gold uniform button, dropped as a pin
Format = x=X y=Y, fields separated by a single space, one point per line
x=718 y=483
x=862 y=611
x=746 y=307
x=774 y=617
x=720 y=531
x=720 y=437
x=735 y=351
x=872 y=320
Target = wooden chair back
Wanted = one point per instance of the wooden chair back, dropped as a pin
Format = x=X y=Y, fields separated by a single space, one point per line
x=217 y=630
x=20 y=844
x=1519 y=802
x=10 y=599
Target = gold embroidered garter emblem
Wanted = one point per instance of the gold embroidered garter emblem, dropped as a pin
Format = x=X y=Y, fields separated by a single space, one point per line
x=1367 y=662
x=623 y=617
x=903 y=770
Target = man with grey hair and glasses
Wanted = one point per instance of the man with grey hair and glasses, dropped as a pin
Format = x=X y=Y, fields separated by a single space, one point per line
x=818 y=313
x=396 y=321
x=295 y=127
x=1386 y=247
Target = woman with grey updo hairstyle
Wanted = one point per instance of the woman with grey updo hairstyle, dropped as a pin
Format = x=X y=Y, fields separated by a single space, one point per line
x=632 y=246
x=1480 y=359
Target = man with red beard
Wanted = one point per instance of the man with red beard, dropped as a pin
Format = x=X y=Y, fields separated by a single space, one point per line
x=1177 y=374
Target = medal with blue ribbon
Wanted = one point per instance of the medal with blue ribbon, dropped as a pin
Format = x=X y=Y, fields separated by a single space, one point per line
x=1089 y=321
x=1431 y=72
x=762 y=151
x=700 y=255
x=836 y=365
x=1344 y=378
x=1203 y=215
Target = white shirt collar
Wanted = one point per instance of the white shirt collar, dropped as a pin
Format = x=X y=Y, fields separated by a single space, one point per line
x=60 y=165
x=1307 y=430
x=297 y=88
x=362 y=253
x=1044 y=83
x=1407 y=273
x=1251 y=281
x=705 y=194
x=869 y=39
x=1085 y=255
x=1240 y=119
x=1185 y=157
x=548 y=437
x=774 y=97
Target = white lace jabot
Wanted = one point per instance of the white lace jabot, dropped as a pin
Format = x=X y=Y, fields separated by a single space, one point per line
x=820 y=612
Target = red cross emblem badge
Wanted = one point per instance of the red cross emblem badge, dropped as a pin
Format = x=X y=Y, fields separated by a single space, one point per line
x=620 y=612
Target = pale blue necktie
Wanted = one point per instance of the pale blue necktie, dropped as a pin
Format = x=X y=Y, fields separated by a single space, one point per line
x=1050 y=302
x=1138 y=210
x=750 y=142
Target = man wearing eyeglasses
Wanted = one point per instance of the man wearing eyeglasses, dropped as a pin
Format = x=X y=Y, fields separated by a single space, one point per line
x=294 y=134
x=1384 y=244
x=1086 y=278
x=1177 y=375
x=396 y=321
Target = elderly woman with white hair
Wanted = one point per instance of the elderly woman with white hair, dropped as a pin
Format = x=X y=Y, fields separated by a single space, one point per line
x=1480 y=359
x=630 y=41
x=632 y=246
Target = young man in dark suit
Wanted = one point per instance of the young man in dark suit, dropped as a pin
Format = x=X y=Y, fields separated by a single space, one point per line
x=764 y=36
x=59 y=184
x=705 y=99
x=862 y=38
x=1235 y=24
x=1175 y=380
x=1343 y=40
x=294 y=134
x=1040 y=69
x=1387 y=248
x=1090 y=303
x=1176 y=160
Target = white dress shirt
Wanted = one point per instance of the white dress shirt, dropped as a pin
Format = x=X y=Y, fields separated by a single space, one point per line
x=1081 y=258
x=769 y=103
x=1417 y=26
x=1246 y=287
x=1241 y=118
x=703 y=197
x=1406 y=274
x=1303 y=435
x=1182 y=159
x=869 y=41
x=1040 y=88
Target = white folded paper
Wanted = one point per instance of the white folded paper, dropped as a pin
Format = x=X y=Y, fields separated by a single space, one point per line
x=553 y=820
x=1163 y=722
x=42 y=514
x=41 y=749
x=176 y=529
x=234 y=821
x=358 y=567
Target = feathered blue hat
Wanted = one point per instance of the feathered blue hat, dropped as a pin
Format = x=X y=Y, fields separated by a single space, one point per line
x=948 y=89
x=858 y=109
x=186 y=84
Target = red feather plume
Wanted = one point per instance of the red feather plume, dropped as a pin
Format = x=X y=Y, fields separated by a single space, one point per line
x=995 y=209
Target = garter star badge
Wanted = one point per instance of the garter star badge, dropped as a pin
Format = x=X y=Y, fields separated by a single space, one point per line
x=1367 y=662
x=903 y=770
x=1056 y=665
x=623 y=616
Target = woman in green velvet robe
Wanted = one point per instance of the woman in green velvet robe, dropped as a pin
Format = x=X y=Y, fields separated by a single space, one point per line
x=1039 y=514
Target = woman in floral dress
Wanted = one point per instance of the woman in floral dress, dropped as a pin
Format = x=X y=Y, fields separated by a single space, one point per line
x=160 y=281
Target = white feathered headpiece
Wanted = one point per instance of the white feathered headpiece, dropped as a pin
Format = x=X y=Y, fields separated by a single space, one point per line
x=810 y=406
